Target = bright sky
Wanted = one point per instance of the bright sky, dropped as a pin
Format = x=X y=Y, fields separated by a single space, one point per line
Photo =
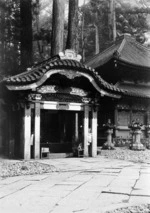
x=82 y=2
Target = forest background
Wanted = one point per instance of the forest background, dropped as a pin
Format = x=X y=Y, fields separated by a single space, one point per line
x=26 y=28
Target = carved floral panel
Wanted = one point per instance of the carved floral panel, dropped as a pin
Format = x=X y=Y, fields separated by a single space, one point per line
x=123 y=118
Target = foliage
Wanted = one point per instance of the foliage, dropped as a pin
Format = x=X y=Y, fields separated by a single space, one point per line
x=130 y=18
x=9 y=36
x=42 y=26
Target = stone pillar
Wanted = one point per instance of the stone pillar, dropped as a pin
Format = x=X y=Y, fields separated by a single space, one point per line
x=109 y=136
x=76 y=127
x=27 y=133
x=86 y=129
x=94 y=133
x=37 y=131
x=148 y=145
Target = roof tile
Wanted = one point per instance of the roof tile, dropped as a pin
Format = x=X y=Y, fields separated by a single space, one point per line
x=129 y=50
x=37 y=72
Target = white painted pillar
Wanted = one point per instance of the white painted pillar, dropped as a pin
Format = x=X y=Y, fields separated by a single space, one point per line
x=37 y=131
x=76 y=127
x=86 y=129
x=27 y=133
x=94 y=133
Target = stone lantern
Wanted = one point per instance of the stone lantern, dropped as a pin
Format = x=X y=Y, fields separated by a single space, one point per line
x=109 y=127
x=147 y=127
x=136 y=127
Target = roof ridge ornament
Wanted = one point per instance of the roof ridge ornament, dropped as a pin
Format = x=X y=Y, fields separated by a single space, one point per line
x=116 y=54
x=70 y=54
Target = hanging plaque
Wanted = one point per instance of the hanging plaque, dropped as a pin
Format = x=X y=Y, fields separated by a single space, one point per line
x=62 y=106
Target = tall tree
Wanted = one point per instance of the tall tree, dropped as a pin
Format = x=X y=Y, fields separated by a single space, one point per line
x=72 y=25
x=26 y=33
x=2 y=34
x=9 y=36
x=112 y=21
x=58 y=27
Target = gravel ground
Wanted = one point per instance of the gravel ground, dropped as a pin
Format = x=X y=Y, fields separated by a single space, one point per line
x=10 y=168
x=133 y=209
x=125 y=153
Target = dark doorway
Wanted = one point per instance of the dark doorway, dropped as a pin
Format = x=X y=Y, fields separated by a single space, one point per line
x=57 y=130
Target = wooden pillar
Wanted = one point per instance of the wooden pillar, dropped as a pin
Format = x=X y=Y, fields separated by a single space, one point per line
x=86 y=129
x=94 y=133
x=27 y=133
x=76 y=127
x=116 y=121
x=37 y=131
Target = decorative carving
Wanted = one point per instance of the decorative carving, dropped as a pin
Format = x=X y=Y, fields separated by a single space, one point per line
x=56 y=89
x=138 y=116
x=70 y=74
x=70 y=54
x=123 y=106
x=116 y=54
x=34 y=97
x=123 y=118
x=139 y=107
x=47 y=89
x=77 y=91
x=86 y=100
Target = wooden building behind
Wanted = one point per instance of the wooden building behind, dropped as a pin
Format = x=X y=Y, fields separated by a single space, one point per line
x=126 y=65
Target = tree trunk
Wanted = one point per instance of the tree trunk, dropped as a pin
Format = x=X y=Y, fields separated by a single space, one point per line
x=57 y=27
x=26 y=33
x=83 y=39
x=112 y=21
x=72 y=42
x=97 y=47
x=2 y=36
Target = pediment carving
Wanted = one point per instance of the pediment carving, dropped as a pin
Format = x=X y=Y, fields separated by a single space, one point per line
x=55 y=89
x=70 y=74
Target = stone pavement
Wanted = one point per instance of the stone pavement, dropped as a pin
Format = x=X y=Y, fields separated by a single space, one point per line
x=87 y=185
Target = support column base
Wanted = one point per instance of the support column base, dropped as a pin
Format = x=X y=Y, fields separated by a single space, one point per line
x=108 y=145
x=148 y=146
x=138 y=147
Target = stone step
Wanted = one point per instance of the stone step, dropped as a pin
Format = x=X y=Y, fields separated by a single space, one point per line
x=58 y=155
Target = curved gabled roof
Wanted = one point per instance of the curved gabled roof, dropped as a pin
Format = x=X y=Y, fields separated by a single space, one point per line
x=141 y=91
x=38 y=74
x=126 y=50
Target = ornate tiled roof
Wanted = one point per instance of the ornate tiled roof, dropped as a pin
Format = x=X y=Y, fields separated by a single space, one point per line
x=140 y=91
x=36 y=73
x=127 y=55
x=125 y=50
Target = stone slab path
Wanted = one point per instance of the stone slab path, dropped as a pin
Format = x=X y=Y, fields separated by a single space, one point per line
x=86 y=185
